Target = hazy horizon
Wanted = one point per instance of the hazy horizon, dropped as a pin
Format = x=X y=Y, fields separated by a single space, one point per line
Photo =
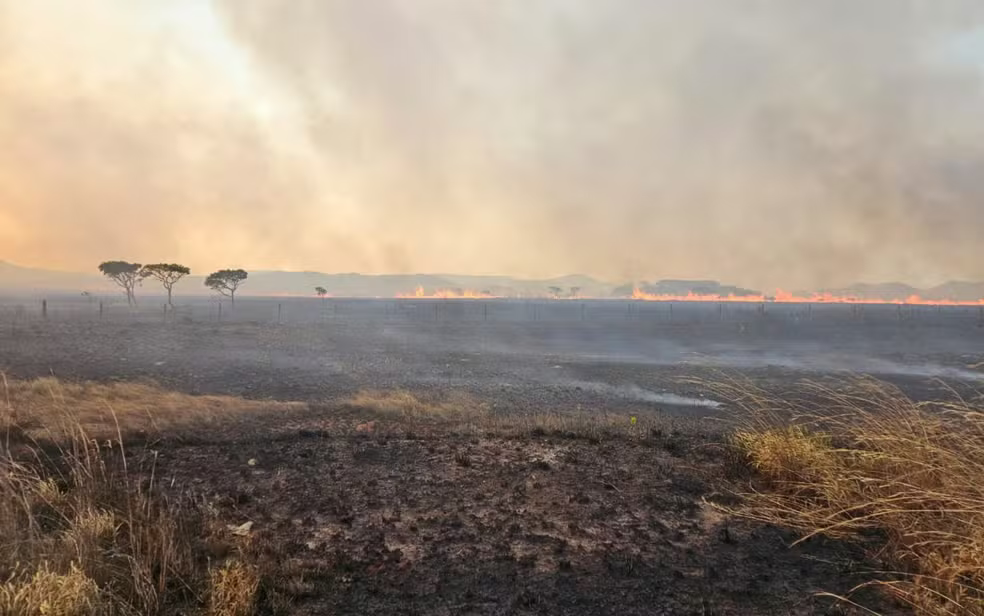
x=755 y=142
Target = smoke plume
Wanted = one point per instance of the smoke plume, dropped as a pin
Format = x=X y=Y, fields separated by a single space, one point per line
x=763 y=142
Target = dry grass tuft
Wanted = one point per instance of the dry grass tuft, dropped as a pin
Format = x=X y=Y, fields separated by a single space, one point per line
x=400 y=403
x=232 y=589
x=48 y=408
x=463 y=413
x=71 y=593
x=862 y=461
x=85 y=528
x=596 y=427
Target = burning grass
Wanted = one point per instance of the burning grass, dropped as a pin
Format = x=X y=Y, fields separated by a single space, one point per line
x=87 y=529
x=861 y=461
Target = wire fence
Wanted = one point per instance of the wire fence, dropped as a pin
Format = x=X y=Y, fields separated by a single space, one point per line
x=307 y=311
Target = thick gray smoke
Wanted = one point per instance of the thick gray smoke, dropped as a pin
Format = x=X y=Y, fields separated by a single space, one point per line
x=764 y=142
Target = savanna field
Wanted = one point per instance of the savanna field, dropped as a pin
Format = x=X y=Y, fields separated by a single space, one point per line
x=360 y=462
x=491 y=308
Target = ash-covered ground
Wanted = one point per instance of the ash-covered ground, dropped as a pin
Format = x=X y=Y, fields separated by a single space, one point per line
x=519 y=355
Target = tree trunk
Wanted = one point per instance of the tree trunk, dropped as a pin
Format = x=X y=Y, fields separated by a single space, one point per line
x=169 y=297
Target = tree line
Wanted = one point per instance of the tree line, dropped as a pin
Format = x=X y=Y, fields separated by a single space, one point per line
x=131 y=275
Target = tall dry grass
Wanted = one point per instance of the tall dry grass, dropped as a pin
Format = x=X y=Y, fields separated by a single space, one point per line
x=50 y=408
x=85 y=528
x=862 y=461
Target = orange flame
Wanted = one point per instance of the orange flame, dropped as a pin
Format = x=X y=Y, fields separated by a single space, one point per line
x=419 y=293
x=785 y=297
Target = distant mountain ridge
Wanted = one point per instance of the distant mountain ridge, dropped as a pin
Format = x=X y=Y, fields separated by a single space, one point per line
x=954 y=290
x=27 y=280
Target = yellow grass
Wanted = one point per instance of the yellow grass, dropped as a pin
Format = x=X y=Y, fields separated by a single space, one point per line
x=71 y=593
x=400 y=403
x=862 y=461
x=84 y=530
x=49 y=407
x=232 y=589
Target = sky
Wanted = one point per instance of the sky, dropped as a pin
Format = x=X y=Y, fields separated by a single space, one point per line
x=765 y=143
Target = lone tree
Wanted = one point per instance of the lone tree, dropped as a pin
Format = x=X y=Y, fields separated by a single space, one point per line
x=125 y=274
x=555 y=292
x=321 y=291
x=167 y=274
x=226 y=282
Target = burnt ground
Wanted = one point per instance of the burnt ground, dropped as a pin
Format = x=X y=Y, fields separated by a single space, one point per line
x=523 y=356
x=451 y=518
x=447 y=518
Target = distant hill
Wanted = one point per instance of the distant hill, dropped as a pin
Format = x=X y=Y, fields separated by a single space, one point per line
x=885 y=290
x=15 y=279
x=683 y=287
x=24 y=280
x=957 y=290
x=953 y=290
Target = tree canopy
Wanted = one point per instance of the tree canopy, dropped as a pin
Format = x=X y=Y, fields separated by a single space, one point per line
x=226 y=281
x=123 y=273
x=166 y=273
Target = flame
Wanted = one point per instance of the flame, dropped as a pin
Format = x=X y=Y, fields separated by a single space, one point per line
x=420 y=293
x=785 y=297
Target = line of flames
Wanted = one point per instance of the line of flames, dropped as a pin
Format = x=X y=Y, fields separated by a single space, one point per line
x=781 y=297
x=419 y=293
x=785 y=297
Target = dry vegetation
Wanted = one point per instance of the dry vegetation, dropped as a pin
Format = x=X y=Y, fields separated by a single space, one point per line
x=49 y=408
x=861 y=461
x=463 y=413
x=86 y=529
x=96 y=535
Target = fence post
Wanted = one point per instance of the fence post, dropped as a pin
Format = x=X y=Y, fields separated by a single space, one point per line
x=280 y=309
x=44 y=309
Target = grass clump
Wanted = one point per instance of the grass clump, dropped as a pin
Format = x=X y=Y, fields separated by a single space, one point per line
x=86 y=528
x=861 y=461
x=403 y=404
x=71 y=593
x=232 y=589
x=49 y=408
